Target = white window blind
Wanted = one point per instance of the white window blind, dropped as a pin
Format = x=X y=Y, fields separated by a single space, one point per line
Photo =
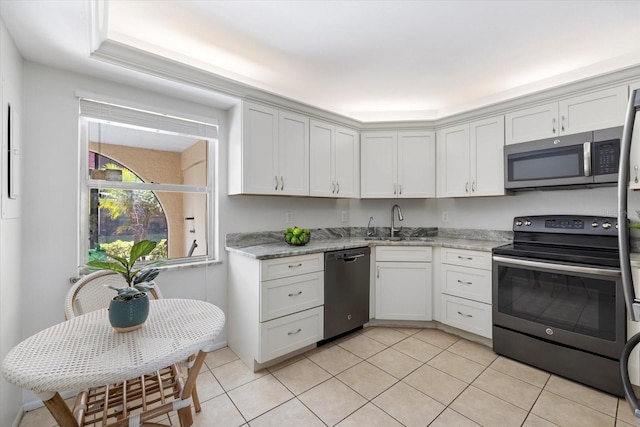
x=144 y=119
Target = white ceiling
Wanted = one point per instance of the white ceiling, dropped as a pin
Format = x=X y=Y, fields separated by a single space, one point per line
x=368 y=60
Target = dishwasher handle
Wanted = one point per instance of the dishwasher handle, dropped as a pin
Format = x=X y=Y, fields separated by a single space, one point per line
x=346 y=258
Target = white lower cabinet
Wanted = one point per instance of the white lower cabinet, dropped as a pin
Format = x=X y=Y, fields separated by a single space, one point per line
x=465 y=290
x=289 y=333
x=466 y=314
x=275 y=306
x=632 y=329
x=403 y=289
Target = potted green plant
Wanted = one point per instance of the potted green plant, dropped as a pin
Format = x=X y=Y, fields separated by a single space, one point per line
x=129 y=309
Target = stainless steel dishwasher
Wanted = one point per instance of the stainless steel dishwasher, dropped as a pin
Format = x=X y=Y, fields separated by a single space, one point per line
x=346 y=290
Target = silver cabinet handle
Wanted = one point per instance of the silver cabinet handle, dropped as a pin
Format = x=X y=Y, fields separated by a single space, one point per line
x=377 y=271
x=276 y=182
x=338 y=184
x=466 y=258
x=464 y=283
x=562 y=123
x=400 y=187
x=635 y=168
x=333 y=187
x=296 y=332
x=282 y=183
x=465 y=315
x=295 y=265
x=553 y=127
x=466 y=187
x=296 y=294
x=473 y=186
x=394 y=189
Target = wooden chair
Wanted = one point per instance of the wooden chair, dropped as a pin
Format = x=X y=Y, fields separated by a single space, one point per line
x=142 y=399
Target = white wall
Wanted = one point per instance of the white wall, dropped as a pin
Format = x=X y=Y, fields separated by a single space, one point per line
x=11 y=302
x=492 y=213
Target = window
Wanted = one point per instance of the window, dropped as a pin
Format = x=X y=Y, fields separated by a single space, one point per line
x=145 y=176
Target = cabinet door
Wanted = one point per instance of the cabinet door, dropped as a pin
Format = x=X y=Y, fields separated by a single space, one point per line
x=378 y=162
x=321 y=174
x=403 y=291
x=416 y=164
x=347 y=163
x=293 y=154
x=486 y=157
x=259 y=150
x=532 y=123
x=634 y=158
x=592 y=111
x=453 y=161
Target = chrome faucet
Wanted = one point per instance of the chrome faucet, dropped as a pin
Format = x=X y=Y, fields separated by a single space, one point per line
x=393 y=224
x=371 y=231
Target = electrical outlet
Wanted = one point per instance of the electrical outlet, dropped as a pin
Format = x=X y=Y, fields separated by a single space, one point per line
x=445 y=216
x=345 y=216
x=288 y=216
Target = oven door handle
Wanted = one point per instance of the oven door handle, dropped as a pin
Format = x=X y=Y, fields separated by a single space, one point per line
x=558 y=267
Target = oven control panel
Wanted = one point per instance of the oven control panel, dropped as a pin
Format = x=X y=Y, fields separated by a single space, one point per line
x=568 y=224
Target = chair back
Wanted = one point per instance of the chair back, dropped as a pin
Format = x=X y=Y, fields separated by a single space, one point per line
x=91 y=293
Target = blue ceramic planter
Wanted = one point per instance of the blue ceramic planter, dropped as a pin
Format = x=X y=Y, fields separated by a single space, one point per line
x=129 y=315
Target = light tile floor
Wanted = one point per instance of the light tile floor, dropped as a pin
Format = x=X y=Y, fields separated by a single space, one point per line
x=392 y=377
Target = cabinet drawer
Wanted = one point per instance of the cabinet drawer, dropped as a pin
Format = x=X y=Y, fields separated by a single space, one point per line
x=286 y=334
x=471 y=283
x=471 y=316
x=466 y=258
x=291 y=266
x=281 y=297
x=404 y=253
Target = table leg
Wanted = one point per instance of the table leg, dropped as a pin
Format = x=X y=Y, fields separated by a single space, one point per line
x=185 y=415
x=60 y=411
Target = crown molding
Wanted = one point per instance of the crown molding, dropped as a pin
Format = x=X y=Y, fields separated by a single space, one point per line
x=145 y=62
x=126 y=56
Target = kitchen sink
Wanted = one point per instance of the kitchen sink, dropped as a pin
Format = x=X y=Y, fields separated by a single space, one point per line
x=399 y=239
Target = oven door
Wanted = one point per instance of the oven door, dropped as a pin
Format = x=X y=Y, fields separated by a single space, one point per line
x=576 y=306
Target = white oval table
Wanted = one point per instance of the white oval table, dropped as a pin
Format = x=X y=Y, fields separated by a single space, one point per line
x=86 y=352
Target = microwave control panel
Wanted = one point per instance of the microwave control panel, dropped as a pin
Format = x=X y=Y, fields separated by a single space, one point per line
x=606 y=156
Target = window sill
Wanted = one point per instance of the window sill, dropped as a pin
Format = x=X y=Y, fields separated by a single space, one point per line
x=190 y=264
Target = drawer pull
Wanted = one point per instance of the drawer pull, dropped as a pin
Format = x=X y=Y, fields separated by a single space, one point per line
x=465 y=315
x=295 y=265
x=296 y=332
x=464 y=283
x=468 y=258
x=296 y=294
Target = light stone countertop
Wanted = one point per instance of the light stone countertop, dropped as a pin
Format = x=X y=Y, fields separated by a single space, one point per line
x=280 y=249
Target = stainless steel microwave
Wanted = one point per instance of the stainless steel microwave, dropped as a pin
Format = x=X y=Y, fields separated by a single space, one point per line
x=583 y=159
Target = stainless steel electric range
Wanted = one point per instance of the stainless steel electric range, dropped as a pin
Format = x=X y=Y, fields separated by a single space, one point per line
x=558 y=301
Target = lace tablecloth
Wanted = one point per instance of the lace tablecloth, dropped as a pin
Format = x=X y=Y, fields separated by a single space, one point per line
x=86 y=352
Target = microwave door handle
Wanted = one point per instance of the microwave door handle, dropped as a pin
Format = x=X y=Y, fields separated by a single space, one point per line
x=587 y=158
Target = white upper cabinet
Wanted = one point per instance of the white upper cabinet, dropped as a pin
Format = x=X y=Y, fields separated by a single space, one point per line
x=532 y=124
x=398 y=164
x=293 y=154
x=334 y=168
x=268 y=151
x=591 y=111
x=470 y=159
x=486 y=158
x=634 y=158
x=453 y=161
